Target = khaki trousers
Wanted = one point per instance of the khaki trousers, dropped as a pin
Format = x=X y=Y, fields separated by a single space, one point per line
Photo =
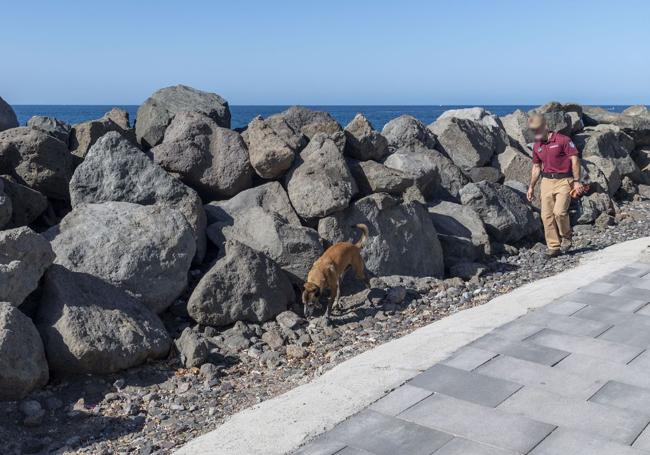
x=555 y=200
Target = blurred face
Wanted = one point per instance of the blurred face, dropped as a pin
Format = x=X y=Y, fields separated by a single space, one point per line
x=540 y=133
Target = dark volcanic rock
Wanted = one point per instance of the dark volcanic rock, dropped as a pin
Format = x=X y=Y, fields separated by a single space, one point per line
x=306 y=121
x=26 y=204
x=8 y=117
x=374 y=177
x=363 y=142
x=405 y=131
x=52 y=126
x=272 y=146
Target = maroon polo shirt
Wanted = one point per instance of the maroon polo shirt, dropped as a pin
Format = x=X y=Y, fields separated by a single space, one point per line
x=555 y=154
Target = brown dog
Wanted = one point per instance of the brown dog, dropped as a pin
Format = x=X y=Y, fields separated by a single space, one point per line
x=328 y=269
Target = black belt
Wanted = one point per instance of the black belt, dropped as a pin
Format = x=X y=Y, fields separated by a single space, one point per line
x=556 y=175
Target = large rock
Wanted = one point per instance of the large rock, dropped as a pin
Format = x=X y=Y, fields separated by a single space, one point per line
x=514 y=165
x=8 y=117
x=23 y=366
x=636 y=126
x=6 y=206
x=485 y=173
x=589 y=208
x=306 y=121
x=155 y=114
x=52 y=126
x=405 y=131
x=461 y=232
x=468 y=143
x=436 y=176
x=144 y=250
x=84 y=135
x=91 y=327
x=516 y=127
x=402 y=239
x=374 y=177
x=263 y=219
x=505 y=215
x=604 y=173
x=320 y=183
x=363 y=142
x=36 y=159
x=243 y=285
x=476 y=114
x=636 y=110
x=116 y=170
x=26 y=203
x=272 y=146
x=24 y=257
x=211 y=159
x=611 y=145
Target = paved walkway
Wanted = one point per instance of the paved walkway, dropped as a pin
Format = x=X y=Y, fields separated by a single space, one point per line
x=572 y=377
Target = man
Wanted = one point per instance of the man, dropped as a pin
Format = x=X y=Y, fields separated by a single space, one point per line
x=555 y=158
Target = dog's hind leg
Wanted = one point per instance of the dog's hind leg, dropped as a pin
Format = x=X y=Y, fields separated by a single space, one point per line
x=360 y=270
x=337 y=296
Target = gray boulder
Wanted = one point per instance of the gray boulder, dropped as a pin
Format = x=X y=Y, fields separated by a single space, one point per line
x=6 y=206
x=589 y=208
x=116 y=170
x=468 y=143
x=211 y=159
x=24 y=257
x=604 y=173
x=52 y=126
x=405 y=131
x=637 y=110
x=320 y=183
x=272 y=146
x=435 y=175
x=461 y=233
x=308 y=122
x=8 y=117
x=193 y=348
x=402 y=239
x=615 y=147
x=485 y=173
x=144 y=250
x=476 y=114
x=84 y=135
x=155 y=114
x=37 y=160
x=363 y=142
x=23 y=366
x=243 y=285
x=514 y=165
x=26 y=203
x=374 y=177
x=505 y=215
x=263 y=219
x=120 y=117
x=636 y=126
x=516 y=127
x=91 y=327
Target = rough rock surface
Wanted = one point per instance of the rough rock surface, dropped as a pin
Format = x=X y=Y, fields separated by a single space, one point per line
x=616 y=147
x=26 y=203
x=52 y=126
x=636 y=126
x=263 y=219
x=211 y=159
x=485 y=173
x=6 y=206
x=516 y=127
x=272 y=146
x=514 y=165
x=320 y=183
x=144 y=250
x=193 y=348
x=461 y=232
x=116 y=170
x=505 y=215
x=363 y=142
x=402 y=238
x=406 y=130
x=243 y=285
x=36 y=159
x=476 y=114
x=374 y=177
x=155 y=114
x=8 y=117
x=91 y=326
x=24 y=257
x=23 y=366
x=84 y=135
x=307 y=122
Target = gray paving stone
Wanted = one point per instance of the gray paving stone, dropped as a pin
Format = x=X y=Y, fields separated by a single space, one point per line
x=321 y=446
x=642 y=361
x=520 y=349
x=602 y=370
x=614 y=302
x=459 y=446
x=631 y=333
x=644 y=311
x=632 y=292
x=624 y=396
x=477 y=423
x=636 y=270
x=353 y=451
x=583 y=345
x=469 y=358
x=517 y=330
x=465 y=385
x=603 y=314
x=566 y=324
x=618 y=425
x=618 y=278
x=601 y=287
x=643 y=441
x=400 y=399
x=384 y=435
x=541 y=376
x=567 y=442
x=564 y=307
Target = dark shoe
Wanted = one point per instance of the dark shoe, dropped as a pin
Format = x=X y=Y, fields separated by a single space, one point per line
x=551 y=253
x=567 y=243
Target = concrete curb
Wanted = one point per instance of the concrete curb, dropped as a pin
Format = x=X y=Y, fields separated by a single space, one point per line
x=282 y=424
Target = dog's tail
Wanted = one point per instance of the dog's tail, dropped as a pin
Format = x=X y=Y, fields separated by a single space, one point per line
x=364 y=235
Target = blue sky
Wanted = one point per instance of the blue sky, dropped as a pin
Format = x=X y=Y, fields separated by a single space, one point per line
x=331 y=52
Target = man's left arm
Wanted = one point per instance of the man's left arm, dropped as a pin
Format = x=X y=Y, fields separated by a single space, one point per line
x=571 y=150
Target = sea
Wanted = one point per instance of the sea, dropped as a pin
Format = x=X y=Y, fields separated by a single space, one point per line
x=242 y=115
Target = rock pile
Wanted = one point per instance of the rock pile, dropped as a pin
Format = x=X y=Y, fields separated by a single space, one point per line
x=106 y=230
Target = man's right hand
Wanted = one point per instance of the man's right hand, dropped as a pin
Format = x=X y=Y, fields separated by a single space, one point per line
x=530 y=195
